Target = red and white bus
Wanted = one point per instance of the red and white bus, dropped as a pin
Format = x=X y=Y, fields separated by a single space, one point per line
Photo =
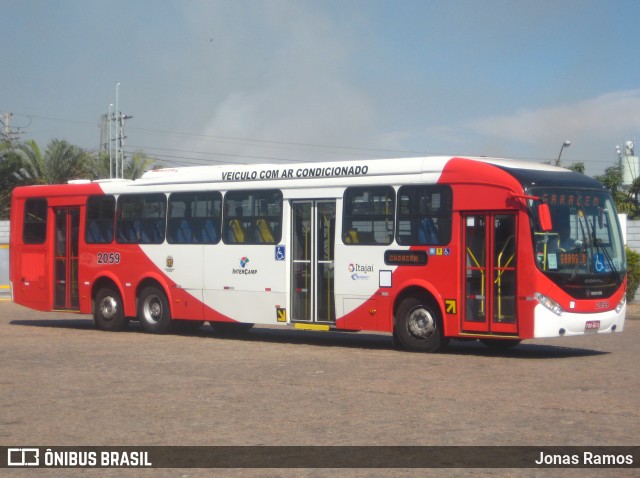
x=428 y=249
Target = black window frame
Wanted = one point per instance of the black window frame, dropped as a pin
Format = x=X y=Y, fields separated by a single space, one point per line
x=34 y=226
x=100 y=214
x=366 y=211
x=251 y=221
x=438 y=220
x=192 y=227
x=139 y=227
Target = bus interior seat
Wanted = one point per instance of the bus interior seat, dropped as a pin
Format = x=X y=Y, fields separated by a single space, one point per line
x=236 y=231
x=128 y=231
x=209 y=234
x=94 y=234
x=427 y=232
x=183 y=234
x=264 y=231
x=351 y=236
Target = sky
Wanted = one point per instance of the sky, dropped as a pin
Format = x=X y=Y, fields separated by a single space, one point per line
x=248 y=81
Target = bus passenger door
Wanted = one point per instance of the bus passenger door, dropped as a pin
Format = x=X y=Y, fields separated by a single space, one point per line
x=490 y=273
x=312 y=282
x=65 y=291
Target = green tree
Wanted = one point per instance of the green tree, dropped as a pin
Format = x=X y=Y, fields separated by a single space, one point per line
x=60 y=162
x=138 y=164
x=133 y=168
x=577 y=167
x=612 y=180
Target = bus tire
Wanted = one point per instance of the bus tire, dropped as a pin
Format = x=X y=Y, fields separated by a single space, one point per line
x=154 y=313
x=419 y=326
x=108 y=310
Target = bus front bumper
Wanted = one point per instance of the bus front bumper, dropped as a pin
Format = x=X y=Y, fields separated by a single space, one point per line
x=548 y=324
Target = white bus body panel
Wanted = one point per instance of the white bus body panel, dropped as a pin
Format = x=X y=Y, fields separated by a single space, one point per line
x=548 y=324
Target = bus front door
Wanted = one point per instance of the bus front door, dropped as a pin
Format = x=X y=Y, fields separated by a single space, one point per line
x=313 y=239
x=489 y=280
x=67 y=227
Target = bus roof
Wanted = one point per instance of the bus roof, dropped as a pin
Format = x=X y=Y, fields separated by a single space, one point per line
x=325 y=170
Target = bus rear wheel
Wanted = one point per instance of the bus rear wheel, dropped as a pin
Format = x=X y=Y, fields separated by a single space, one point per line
x=108 y=310
x=154 y=314
x=418 y=326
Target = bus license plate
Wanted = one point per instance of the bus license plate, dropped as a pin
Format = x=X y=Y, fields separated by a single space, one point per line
x=592 y=326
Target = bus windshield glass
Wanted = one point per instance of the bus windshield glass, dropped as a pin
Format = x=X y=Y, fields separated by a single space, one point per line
x=583 y=252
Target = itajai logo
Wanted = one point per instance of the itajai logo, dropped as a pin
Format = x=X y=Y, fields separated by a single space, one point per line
x=169 y=264
x=360 y=271
x=244 y=270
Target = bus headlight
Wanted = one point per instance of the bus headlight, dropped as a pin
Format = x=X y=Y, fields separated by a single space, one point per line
x=621 y=304
x=550 y=304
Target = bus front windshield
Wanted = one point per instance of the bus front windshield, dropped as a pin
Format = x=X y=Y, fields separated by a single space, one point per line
x=583 y=252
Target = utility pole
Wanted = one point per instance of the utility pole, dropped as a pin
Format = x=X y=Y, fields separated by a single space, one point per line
x=121 y=138
x=7 y=133
x=116 y=163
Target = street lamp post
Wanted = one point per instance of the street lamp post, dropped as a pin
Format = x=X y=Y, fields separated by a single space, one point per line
x=566 y=144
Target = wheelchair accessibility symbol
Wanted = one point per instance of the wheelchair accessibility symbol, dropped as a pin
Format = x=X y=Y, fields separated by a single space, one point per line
x=280 y=253
x=600 y=264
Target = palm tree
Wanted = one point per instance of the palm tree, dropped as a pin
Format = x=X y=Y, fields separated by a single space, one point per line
x=138 y=164
x=60 y=163
x=133 y=169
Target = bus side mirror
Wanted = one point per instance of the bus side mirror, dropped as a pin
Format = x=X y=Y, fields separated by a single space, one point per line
x=544 y=216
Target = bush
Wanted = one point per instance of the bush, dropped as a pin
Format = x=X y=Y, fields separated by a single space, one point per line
x=633 y=273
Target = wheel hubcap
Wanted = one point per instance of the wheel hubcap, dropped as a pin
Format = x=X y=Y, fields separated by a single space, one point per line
x=153 y=310
x=108 y=308
x=421 y=324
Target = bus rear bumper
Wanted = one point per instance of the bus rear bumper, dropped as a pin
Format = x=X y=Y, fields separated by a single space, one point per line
x=548 y=324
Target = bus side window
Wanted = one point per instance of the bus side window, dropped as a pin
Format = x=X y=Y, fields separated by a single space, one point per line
x=100 y=213
x=424 y=215
x=253 y=217
x=141 y=218
x=369 y=215
x=35 y=221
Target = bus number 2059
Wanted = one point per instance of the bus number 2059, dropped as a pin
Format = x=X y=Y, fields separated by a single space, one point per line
x=108 y=257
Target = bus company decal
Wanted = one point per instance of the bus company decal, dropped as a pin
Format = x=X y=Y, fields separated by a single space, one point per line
x=244 y=270
x=360 y=271
x=169 y=264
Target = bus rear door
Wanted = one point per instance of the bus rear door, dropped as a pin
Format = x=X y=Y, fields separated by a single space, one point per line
x=67 y=226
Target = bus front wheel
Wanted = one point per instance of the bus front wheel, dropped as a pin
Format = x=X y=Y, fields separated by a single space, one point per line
x=418 y=326
x=108 y=310
x=154 y=314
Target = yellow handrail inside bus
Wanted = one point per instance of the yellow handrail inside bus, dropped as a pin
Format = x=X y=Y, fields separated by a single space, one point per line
x=327 y=225
x=482 y=273
x=498 y=279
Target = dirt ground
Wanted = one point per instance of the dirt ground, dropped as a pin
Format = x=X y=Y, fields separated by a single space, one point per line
x=64 y=383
